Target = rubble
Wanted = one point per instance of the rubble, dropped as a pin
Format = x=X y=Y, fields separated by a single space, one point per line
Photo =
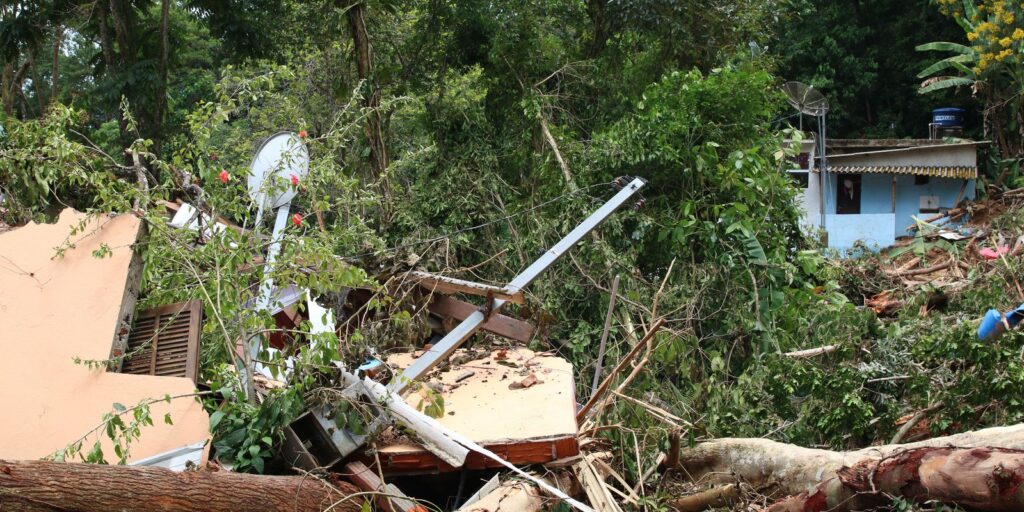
x=493 y=409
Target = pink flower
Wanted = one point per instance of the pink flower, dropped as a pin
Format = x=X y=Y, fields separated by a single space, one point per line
x=295 y=180
x=224 y=176
x=302 y=134
x=297 y=219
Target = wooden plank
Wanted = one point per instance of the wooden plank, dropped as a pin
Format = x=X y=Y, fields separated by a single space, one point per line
x=486 y=489
x=445 y=284
x=391 y=499
x=498 y=324
x=514 y=496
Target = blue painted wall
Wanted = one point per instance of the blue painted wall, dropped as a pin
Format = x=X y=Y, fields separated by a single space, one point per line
x=876 y=197
x=908 y=198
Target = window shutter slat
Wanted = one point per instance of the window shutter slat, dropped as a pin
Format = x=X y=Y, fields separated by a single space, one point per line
x=165 y=341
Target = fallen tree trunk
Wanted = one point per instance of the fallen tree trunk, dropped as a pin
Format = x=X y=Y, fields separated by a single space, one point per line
x=977 y=478
x=794 y=470
x=30 y=486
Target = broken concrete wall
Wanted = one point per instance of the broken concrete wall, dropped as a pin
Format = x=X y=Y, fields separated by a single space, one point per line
x=54 y=309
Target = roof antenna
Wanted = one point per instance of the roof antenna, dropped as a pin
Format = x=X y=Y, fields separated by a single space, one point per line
x=280 y=163
x=810 y=101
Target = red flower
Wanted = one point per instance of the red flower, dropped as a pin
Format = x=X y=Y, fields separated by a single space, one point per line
x=302 y=134
x=297 y=219
x=295 y=180
x=224 y=176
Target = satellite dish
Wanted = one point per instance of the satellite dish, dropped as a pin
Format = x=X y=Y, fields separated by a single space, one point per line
x=281 y=156
x=806 y=98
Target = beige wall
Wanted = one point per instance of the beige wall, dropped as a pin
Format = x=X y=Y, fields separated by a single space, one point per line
x=55 y=309
x=951 y=155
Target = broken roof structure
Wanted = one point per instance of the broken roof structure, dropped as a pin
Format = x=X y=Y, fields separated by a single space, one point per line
x=77 y=305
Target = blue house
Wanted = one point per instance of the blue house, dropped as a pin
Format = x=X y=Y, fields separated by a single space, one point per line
x=871 y=189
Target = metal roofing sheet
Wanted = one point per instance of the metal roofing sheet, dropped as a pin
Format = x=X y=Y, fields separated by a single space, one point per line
x=939 y=171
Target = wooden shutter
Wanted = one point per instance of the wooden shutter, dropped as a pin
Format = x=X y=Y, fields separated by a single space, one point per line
x=165 y=341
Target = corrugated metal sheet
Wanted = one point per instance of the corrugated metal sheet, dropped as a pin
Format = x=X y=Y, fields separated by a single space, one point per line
x=938 y=171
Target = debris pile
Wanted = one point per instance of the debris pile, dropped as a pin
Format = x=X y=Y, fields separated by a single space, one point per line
x=947 y=253
x=492 y=426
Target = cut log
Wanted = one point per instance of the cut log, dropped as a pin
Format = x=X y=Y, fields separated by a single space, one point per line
x=818 y=474
x=31 y=486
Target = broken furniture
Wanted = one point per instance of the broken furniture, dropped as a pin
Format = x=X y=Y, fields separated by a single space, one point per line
x=365 y=390
x=56 y=308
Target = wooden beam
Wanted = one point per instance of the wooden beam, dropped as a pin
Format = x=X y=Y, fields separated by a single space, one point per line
x=498 y=324
x=445 y=284
x=389 y=499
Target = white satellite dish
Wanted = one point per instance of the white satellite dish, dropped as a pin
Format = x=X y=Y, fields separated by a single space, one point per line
x=281 y=156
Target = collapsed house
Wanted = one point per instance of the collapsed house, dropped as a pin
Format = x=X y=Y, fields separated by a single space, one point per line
x=71 y=287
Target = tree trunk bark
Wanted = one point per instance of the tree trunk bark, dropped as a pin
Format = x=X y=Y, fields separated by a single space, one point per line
x=596 y=9
x=58 y=39
x=819 y=474
x=36 y=84
x=161 y=98
x=5 y=88
x=31 y=486
x=356 y=15
x=986 y=479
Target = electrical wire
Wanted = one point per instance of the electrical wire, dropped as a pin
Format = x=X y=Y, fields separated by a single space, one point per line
x=483 y=225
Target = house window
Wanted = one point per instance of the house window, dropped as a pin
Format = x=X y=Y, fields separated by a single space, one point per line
x=929 y=204
x=921 y=179
x=848 y=193
x=800 y=178
x=801 y=161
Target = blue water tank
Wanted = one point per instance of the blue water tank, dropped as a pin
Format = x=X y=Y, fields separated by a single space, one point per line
x=948 y=117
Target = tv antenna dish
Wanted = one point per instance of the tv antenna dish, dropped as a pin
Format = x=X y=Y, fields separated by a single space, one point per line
x=806 y=98
x=281 y=156
x=810 y=101
x=280 y=163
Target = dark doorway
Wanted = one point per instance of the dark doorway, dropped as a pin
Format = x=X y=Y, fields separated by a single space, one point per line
x=848 y=193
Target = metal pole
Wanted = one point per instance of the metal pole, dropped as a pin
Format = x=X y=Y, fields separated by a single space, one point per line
x=604 y=335
x=253 y=344
x=443 y=348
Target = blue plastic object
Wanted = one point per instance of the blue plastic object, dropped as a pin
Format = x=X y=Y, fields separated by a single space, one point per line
x=992 y=324
x=948 y=117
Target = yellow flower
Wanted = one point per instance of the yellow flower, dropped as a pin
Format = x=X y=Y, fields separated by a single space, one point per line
x=1005 y=42
x=971 y=36
x=1017 y=34
x=1008 y=18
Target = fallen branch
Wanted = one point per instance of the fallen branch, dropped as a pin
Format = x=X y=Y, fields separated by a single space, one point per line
x=922 y=271
x=914 y=420
x=597 y=396
x=711 y=498
x=811 y=352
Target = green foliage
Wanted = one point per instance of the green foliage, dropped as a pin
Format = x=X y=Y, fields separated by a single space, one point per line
x=245 y=434
x=862 y=56
x=42 y=165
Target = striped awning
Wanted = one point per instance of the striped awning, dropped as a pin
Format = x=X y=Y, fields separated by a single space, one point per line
x=939 y=171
